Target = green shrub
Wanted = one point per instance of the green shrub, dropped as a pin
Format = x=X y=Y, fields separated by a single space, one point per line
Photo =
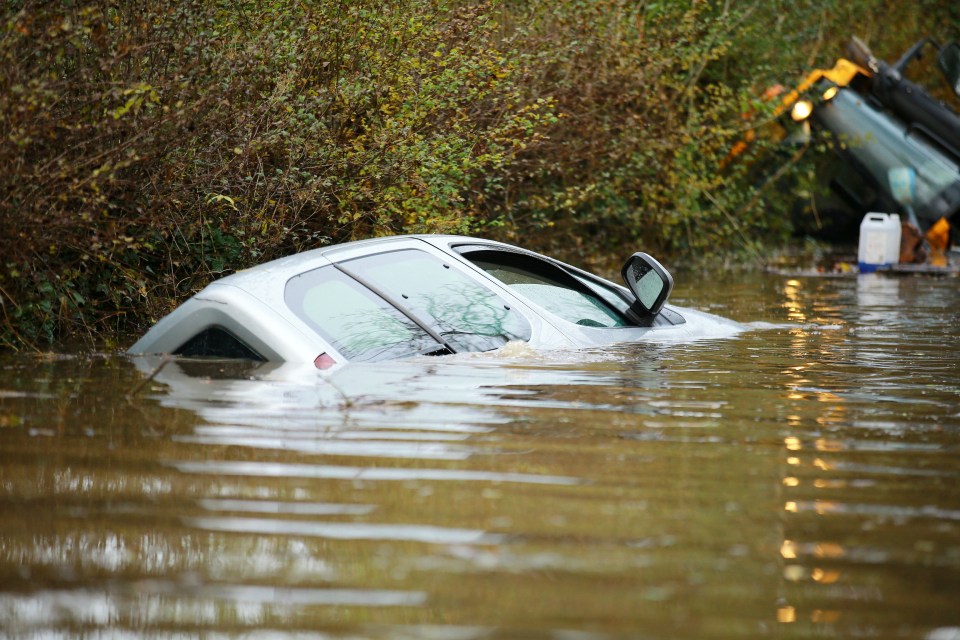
x=154 y=148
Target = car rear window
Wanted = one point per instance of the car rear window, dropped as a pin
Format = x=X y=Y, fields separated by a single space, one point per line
x=468 y=315
x=355 y=321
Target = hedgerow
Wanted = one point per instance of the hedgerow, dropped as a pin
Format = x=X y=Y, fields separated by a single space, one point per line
x=149 y=148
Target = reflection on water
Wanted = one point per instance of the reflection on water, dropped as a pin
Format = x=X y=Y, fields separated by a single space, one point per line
x=800 y=479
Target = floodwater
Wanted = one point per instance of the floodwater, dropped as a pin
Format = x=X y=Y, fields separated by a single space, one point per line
x=799 y=479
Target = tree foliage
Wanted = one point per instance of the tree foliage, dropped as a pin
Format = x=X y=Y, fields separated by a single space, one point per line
x=150 y=148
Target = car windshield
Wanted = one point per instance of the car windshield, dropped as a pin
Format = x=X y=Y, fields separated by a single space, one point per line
x=356 y=322
x=467 y=315
x=550 y=287
x=605 y=291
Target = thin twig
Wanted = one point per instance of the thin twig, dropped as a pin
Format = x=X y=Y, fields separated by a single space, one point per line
x=145 y=381
x=776 y=176
x=734 y=224
x=9 y=323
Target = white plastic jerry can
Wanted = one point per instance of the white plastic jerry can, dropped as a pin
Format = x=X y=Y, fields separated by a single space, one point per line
x=879 y=241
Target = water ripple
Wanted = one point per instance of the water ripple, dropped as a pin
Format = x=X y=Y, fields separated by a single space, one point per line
x=289 y=470
x=346 y=530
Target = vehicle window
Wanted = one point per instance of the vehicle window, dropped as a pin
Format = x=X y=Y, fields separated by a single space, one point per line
x=216 y=342
x=880 y=147
x=468 y=315
x=358 y=323
x=550 y=287
x=605 y=291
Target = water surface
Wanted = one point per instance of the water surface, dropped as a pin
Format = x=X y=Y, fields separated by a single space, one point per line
x=799 y=479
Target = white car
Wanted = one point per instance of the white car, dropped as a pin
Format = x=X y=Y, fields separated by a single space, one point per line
x=402 y=296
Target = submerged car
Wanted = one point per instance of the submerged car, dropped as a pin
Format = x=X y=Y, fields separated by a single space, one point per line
x=396 y=297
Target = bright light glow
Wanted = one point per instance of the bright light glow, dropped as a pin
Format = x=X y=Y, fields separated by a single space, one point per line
x=794 y=572
x=801 y=110
x=822 y=444
x=829 y=550
x=828 y=576
x=786 y=615
x=829 y=93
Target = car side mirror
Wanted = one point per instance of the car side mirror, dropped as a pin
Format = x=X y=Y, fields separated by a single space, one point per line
x=649 y=282
x=949 y=63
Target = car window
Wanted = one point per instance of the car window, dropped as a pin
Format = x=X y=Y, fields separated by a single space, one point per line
x=358 y=323
x=548 y=286
x=468 y=315
x=217 y=342
x=609 y=294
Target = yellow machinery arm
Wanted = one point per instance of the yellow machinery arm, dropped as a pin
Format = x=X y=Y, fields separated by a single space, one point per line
x=841 y=74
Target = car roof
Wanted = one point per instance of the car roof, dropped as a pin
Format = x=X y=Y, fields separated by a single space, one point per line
x=289 y=266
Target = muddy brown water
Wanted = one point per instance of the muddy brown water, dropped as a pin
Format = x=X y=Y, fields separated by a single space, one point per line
x=800 y=479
